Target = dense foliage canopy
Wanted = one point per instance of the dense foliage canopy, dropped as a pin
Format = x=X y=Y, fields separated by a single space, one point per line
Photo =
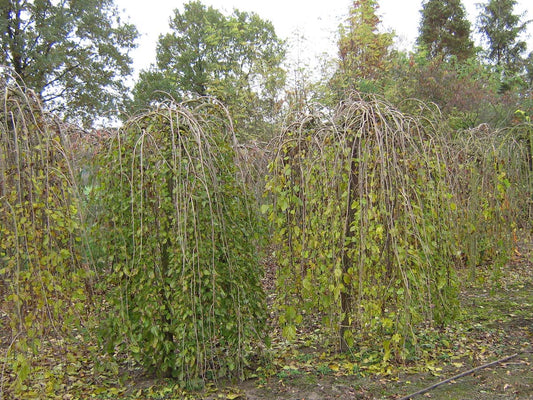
x=74 y=54
x=501 y=29
x=445 y=30
x=236 y=59
x=363 y=49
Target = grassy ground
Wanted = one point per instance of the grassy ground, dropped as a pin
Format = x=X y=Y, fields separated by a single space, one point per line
x=497 y=321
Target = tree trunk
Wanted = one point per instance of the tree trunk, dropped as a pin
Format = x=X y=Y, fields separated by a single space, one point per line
x=347 y=262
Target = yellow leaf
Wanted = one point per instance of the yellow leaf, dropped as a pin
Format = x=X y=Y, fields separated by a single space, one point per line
x=457 y=364
x=334 y=367
x=233 y=396
x=348 y=366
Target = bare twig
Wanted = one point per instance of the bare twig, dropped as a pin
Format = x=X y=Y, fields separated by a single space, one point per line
x=470 y=371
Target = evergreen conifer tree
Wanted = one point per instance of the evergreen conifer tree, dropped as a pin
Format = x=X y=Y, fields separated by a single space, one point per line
x=445 y=30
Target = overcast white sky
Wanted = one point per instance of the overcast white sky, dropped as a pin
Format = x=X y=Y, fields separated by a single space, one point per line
x=316 y=20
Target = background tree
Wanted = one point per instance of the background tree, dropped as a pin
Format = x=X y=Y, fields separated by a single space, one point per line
x=363 y=50
x=466 y=92
x=74 y=54
x=445 y=30
x=501 y=30
x=235 y=58
x=529 y=70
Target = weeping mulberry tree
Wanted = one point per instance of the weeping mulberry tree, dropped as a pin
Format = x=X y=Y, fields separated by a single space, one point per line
x=362 y=214
x=183 y=240
x=42 y=279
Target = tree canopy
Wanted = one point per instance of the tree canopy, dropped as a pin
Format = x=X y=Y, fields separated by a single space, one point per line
x=235 y=58
x=363 y=50
x=445 y=30
x=501 y=29
x=74 y=54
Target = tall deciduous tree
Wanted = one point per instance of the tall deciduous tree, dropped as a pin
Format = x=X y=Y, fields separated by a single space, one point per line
x=363 y=50
x=445 y=30
x=235 y=58
x=501 y=29
x=73 y=53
